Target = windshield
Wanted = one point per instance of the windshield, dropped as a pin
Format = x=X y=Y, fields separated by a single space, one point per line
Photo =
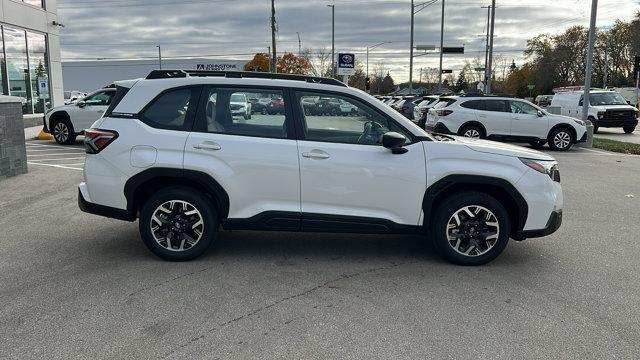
x=237 y=98
x=610 y=98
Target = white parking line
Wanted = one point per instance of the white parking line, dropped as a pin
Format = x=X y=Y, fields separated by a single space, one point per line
x=58 y=159
x=56 y=166
x=56 y=154
x=33 y=149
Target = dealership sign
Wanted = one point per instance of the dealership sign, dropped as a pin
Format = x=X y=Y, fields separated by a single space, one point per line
x=218 y=67
x=346 y=64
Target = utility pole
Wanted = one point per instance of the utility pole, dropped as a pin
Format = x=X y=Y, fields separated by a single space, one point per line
x=606 y=66
x=486 y=47
x=274 y=59
x=159 y=56
x=490 y=62
x=441 y=46
x=589 y=70
x=413 y=12
x=333 y=39
x=299 y=45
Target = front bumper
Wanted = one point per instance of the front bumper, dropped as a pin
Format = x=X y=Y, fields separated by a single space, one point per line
x=102 y=210
x=582 y=139
x=606 y=123
x=553 y=224
x=45 y=128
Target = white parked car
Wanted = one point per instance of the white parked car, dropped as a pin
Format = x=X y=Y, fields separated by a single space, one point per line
x=505 y=119
x=607 y=109
x=68 y=121
x=240 y=106
x=71 y=97
x=184 y=174
x=420 y=110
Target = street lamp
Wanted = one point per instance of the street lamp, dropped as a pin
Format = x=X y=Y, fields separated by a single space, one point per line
x=333 y=38
x=371 y=47
x=414 y=10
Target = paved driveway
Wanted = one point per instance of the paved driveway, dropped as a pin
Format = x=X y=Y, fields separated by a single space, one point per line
x=73 y=285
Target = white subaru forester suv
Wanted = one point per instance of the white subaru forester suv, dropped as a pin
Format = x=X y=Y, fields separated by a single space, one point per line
x=170 y=152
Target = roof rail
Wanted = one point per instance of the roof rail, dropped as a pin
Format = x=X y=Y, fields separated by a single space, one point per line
x=169 y=74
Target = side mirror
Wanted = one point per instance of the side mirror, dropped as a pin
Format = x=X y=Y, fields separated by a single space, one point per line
x=540 y=113
x=82 y=104
x=395 y=142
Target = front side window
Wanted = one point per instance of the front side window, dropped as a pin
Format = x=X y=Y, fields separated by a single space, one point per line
x=496 y=106
x=519 y=107
x=171 y=109
x=245 y=112
x=101 y=98
x=340 y=119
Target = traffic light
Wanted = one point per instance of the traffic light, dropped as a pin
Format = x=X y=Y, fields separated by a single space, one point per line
x=367 y=83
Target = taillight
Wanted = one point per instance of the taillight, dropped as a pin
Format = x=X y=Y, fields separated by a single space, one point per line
x=96 y=140
x=444 y=112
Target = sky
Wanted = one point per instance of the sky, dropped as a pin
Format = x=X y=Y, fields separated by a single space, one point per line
x=236 y=29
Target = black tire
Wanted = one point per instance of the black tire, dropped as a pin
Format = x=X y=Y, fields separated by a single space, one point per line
x=62 y=131
x=263 y=111
x=561 y=139
x=593 y=122
x=595 y=129
x=629 y=129
x=200 y=202
x=537 y=144
x=469 y=130
x=440 y=230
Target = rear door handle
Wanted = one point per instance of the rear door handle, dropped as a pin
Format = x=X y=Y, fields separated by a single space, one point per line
x=316 y=154
x=207 y=146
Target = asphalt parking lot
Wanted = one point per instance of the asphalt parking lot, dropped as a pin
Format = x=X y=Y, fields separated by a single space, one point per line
x=81 y=286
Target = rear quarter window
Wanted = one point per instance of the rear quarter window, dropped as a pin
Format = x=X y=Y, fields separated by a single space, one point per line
x=172 y=110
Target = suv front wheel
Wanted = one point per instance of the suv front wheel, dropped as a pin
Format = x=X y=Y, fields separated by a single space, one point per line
x=470 y=228
x=178 y=224
x=63 y=132
x=561 y=139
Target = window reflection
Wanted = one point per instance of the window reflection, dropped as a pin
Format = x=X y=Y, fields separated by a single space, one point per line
x=17 y=66
x=38 y=70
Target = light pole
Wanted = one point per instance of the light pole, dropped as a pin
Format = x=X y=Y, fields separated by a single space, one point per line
x=299 y=45
x=159 y=56
x=589 y=69
x=441 y=46
x=491 y=33
x=333 y=38
x=414 y=10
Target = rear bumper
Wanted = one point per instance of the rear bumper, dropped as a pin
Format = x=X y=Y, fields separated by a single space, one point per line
x=102 y=210
x=553 y=224
x=439 y=128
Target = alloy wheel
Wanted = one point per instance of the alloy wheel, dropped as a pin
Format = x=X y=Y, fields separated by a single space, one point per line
x=562 y=140
x=473 y=230
x=177 y=225
x=472 y=133
x=61 y=132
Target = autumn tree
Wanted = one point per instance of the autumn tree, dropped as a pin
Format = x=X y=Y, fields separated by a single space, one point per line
x=260 y=62
x=292 y=64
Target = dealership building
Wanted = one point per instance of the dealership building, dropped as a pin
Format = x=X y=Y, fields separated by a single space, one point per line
x=87 y=76
x=30 y=63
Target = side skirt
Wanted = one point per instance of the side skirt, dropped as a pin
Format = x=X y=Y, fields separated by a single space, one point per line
x=306 y=222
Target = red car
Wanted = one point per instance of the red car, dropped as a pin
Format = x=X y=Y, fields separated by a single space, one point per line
x=275 y=106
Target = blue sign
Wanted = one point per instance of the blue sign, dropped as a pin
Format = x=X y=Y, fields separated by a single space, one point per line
x=346 y=64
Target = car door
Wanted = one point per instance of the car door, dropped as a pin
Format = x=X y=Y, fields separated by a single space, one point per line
x=91 y=108
x=526 y=122
x=495 y=116
x=255 y=160
x=348 y=179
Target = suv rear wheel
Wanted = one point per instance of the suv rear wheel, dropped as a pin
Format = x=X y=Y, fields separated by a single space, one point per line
x=178 y=224
x=63 y=132
x=470 y=228
x=629 y=129
x=472 y=131
x=561 y=139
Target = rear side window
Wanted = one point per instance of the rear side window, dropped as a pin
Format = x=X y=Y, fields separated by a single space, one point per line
x=473 y=104
x=172 y=110
x=121 y=91
x=496 y=105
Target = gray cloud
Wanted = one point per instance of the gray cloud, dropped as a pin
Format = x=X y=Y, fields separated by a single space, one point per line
x=235 y=28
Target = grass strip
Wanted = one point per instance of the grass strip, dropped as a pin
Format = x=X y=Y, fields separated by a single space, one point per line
x=616 y=146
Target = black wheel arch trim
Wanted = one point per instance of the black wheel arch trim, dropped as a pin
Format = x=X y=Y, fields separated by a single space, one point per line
x=573 y=131
x=204 y=180
x=446 y=183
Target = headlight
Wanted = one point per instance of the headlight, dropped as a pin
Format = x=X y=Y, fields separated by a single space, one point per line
x=549 y=167
x=579 y=122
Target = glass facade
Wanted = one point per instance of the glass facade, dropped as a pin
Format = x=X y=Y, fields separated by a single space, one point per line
x=25 y=68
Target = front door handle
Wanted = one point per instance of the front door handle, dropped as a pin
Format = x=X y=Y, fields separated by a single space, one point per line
x=316 y=154
x=207 y=146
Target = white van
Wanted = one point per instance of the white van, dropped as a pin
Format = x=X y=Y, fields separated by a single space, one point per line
x=607 y=108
